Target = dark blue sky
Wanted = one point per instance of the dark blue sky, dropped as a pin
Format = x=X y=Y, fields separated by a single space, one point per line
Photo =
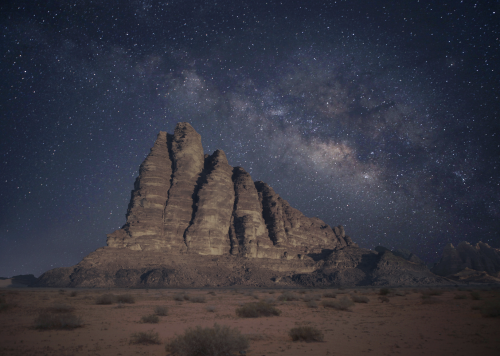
x=381 y=116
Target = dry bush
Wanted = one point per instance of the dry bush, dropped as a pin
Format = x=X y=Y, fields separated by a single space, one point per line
x=383 y=299
x=150 y=319
x=60 y=308
x=219 y=340
x=460 y=296
x=161 y=310
x=429 y=299
x=211 y=308
x=359 y=298
x=475 y=295
x=73 y=293
x=491 y=309
x=330 y=295
x=48 y=321
x=198 y=299
x=105 y=299
x=342 y=304
x=312 y=304
x=256 y=309
x=306 y=333
x=288 y=296
x=383 y=291
x=270 y=300
x=310 y=297
x=432 y=292
x=125 y=298
x=180 y=297
x=62 y=291
x=145 y=338
x=3 y=303
x=211 y=292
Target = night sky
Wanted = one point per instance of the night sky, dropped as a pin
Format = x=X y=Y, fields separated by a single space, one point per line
x=382 y=116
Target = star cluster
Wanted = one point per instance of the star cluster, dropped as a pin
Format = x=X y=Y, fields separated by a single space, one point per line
x=376 y=115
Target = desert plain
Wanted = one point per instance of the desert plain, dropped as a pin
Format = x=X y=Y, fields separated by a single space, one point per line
x=404 y=321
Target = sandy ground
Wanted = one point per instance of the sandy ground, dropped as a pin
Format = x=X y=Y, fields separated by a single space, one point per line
x=404 y=325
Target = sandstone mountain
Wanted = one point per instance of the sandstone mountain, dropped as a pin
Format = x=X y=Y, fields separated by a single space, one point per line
x=194 y=221
x=482 y=258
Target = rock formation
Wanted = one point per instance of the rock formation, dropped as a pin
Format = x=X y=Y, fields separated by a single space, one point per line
x=195 y=221
x=481 y=257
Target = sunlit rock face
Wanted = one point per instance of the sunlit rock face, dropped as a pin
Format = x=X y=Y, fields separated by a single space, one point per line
x=186 y=201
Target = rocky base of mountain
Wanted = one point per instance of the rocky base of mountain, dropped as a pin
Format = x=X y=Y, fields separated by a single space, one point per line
x=350 y=266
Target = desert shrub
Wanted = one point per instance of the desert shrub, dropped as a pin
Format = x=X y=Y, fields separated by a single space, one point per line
x=145 y=338
x=62 y=291
x=150 y=319
x=3 y=303
x=330 y=295
x=491 y=309
x=312 y=304
x=256 y=309
x=383 y=299
x=161 y=310
x=272 y=292
x=310 y=297
x=105 y=299
x=251 y=294
x=359 y=298
x=383 y=291
x=475 y=295
x=60 y=308
x=48 y=321
x=211 y=308
x=306 y=333
x=219 y=340
x=429 y=299
x=432 y=292
x=198 y=299
x=211 y=292
x=288 y=296
x=180 y=297
x=125 y=298
x=342 y=304
x=73 y=293
x=460 y=296
x=270 y=300
x=399 y=293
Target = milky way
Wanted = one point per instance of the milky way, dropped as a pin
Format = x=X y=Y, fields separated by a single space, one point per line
x=383 y=118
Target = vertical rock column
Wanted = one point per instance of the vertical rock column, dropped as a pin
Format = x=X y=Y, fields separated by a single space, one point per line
x=144 y=226
x=188 y=162
x=208 y=233
x=249 y=234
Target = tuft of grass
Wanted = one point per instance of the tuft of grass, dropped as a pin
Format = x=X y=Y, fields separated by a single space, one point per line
x=429 y=299
x=306 y=333
x=211 y=308
x=73 y=293
x=219 y=340
x=342 y=304
x=179 y=297
x=383 y=291
x=161 y=310
x=288 y=296
x=145 y=338
x=48 y=321
x=198 y=299
x=310 y=297
x=383 y=299
x=329 y=295
x=475 y=295
x=359 y=298
x=62 y=291
x=460 y=296
x=491 y=309
x=432 y=292
x=312 y=304
x=150 y=319
x=60 y=308
x=125 y=298
x=3 y=303
x=105 y=299
x=256 y=309
x=211 y=292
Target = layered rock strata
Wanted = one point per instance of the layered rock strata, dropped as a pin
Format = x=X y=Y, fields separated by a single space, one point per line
x=185 y=201
x=481 y=257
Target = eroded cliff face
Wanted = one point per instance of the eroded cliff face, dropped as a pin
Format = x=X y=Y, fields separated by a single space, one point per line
x=186 y=201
